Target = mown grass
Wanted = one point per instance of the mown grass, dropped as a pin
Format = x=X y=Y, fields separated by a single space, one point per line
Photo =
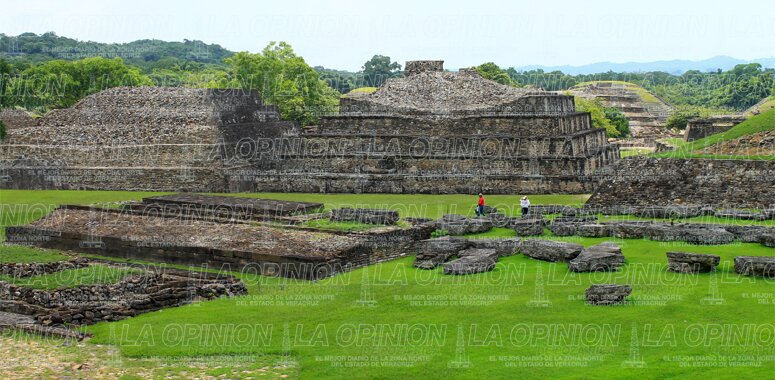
x=20 y=254
x=759 y=123
x=94 y=274
x=331 y=335
x=326 y=328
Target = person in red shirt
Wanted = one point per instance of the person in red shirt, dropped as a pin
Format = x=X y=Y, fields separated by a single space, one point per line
x=480 y=206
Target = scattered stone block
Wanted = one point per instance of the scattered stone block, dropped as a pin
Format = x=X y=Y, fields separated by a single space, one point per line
x=759 y=266
x=685 y=262
x=434 y=252
x=564 y=229
x=607 y=294
x=710 y=236
x=529 y=227
x=594 y=230
x=746 y=234
x=737 y=214
x=475 y=263
x=767 y=239
x=460 y=225
x=598 y=258
x=547 y=250
x=504 y=246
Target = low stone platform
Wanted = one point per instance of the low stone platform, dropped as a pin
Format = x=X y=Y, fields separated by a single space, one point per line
x=598 y=258
x=154 y=289
x=607 y=294
x=546 y=250
x=685 y=262
x=234 y=205
x=234 y=246
x=759 y=266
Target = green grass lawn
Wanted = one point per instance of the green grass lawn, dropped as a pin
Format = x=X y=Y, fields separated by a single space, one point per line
x=394 y=321
x=20 y=254
x=330 y=334
x=94 y=274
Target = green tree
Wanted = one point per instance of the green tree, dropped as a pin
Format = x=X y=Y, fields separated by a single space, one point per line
x=379 y=69
x=283 y=79
x=492 y=72
x=618 y=120
x=597 y=113
x=60 y=84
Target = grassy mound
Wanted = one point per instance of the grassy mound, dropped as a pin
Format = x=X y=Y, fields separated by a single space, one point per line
x=760 y=123
x=360 y=90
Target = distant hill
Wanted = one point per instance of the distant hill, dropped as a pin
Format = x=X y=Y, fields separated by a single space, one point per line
x=673 y=67
x=144 y=53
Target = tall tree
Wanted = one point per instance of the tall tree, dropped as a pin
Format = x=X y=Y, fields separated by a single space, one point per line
x=283 y=79
x=378 y=69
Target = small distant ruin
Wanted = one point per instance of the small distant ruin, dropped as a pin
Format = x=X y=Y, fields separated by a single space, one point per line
x=704 y=127
x=432 y=131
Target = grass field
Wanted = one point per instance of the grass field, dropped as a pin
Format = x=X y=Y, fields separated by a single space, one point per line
x=394 y=321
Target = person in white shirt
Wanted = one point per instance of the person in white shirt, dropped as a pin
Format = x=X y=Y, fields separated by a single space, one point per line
x=524 y=203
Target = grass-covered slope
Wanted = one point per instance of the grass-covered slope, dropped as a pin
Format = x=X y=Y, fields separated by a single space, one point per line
x=764 y=122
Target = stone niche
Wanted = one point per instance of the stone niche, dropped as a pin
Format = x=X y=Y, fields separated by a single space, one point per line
x=416 y=67
x=700 y=128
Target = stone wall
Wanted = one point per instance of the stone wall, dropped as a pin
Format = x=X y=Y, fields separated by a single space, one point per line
x=645 y=181
x=700 y=128
x=234 y=246
x=13 y=118
x=88 y=304
x=415 y=67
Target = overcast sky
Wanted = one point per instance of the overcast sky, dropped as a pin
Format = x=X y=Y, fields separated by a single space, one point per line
x=343 y=34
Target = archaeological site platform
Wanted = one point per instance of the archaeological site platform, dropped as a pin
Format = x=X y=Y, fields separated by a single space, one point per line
x=431 y=131
x=224 y=233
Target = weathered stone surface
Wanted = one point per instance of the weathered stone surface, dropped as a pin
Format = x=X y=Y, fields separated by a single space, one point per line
x=746 y=234
x=768 y=239
x=581 y=219
x=594 y=230
x=643 y=181
x=503 y=246
x=607 y=294
x=563 y=229
x=87 y=304
x=528 y=227
x=365 y=215
x=552 y=209
x=597 y=258
x=737 y=214
x=21 y=270
x=547 y=250
x=191 y=203
x=473 y=263
x=472 y=260
x=460 y=225
x=685 y=262
x=710 y=236
x=760 y=266
x=669 y=212
x=433 y=252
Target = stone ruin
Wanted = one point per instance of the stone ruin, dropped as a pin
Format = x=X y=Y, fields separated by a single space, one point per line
x=429 y=132
x=647 y=119
x=232 y=234
x=704 y=127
